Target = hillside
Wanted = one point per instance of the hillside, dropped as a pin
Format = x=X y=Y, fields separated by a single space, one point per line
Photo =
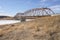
x=5 y=18
x=44 y=28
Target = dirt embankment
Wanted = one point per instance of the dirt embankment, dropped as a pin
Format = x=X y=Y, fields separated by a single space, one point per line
x=44 y=28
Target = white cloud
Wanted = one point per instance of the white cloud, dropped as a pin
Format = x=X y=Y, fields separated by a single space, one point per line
x=48 y=0
x=43 y=3
x=43 y=0
x=55 y=8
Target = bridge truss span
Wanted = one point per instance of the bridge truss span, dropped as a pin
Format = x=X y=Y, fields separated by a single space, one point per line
x=39 y=12
x=34 y=13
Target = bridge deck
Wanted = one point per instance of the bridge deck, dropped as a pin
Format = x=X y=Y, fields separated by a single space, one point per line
x=33 y=17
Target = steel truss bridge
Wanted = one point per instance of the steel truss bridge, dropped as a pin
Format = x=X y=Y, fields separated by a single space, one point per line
x=34 y=13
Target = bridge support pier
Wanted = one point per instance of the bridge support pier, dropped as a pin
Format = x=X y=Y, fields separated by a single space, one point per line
x=23 y=19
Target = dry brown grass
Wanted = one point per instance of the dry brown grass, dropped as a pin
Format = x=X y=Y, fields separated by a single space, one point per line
x=44 y=28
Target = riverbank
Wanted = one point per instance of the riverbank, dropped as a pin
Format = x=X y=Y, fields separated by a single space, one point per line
x=44 y=28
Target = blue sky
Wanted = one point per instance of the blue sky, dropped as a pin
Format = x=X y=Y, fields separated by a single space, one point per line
x=11 y=7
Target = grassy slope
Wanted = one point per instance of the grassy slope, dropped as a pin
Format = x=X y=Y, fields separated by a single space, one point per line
x=44 y=28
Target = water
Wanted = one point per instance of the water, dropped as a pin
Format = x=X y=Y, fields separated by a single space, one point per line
x=3 y=22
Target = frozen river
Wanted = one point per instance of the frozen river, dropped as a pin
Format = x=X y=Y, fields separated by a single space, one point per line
x=3 y=22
